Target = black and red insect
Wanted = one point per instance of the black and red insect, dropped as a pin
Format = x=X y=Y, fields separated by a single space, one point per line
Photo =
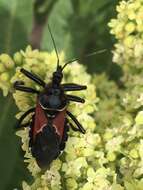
x=50 y=120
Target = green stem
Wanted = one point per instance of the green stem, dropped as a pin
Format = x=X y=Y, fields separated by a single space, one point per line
x=5 y=113
x=40 y=19
x=10 y=27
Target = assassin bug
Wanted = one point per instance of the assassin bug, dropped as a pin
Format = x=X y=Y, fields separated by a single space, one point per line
x=50 y=123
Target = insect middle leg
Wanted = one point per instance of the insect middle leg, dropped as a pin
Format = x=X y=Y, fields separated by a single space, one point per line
x=18 y=85
x=75 y=98
x=73 y=87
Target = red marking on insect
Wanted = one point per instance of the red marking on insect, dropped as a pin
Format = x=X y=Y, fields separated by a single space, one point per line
x=59 y=122
x=40 y=120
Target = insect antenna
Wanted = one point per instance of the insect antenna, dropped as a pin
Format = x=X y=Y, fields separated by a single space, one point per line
x=87 y=55
x=54 y=46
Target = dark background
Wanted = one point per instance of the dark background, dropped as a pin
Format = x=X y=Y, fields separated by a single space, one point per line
x=79 y=27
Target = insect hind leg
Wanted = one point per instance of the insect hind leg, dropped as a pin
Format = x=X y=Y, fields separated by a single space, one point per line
x=80 y=128
x=19 y=124
x=65 y=136
x=31 y=131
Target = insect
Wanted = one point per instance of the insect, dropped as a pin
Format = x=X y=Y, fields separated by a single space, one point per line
x=50 y=123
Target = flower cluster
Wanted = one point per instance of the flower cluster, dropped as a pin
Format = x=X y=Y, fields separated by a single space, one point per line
x=110 y=155
x=128 y=30
x=79 y=166
x=90 y=161
x=6 y=72
x=123 y=132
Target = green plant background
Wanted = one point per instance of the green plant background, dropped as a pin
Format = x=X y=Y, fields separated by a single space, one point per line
x=79 y=27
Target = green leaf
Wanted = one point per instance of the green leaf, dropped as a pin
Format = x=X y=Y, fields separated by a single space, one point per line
x=11 y=165
x=58 y=24
x=15 y=24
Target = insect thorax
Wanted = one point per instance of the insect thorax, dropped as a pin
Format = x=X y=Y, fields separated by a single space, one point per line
x=52 y=99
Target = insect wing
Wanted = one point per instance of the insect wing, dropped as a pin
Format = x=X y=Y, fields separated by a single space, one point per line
x=46 y=142
x=40 y=120
x=59 y=122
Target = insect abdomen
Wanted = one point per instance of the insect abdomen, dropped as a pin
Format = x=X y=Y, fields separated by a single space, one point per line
x=46 y=146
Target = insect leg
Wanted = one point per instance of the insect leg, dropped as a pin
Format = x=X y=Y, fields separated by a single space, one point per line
x=18 y=85
x=74 y=128
x=73 y=87
x=65 y=136
x=81 y=129
x=75 y=98
x=25 y=124
x=33 y=77
x=19 y=125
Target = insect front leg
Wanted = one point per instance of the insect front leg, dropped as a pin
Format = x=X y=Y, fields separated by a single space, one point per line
x=80 y=128
x=19 y=124
x=18 y=85
x=73 y=87
x=33 y=77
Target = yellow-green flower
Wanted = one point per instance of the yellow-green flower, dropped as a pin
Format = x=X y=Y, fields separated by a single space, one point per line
x=80 y=148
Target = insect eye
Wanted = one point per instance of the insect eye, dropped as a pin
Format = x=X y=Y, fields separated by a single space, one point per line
x=55 y=92
x=50 y=92
x=43 y=100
